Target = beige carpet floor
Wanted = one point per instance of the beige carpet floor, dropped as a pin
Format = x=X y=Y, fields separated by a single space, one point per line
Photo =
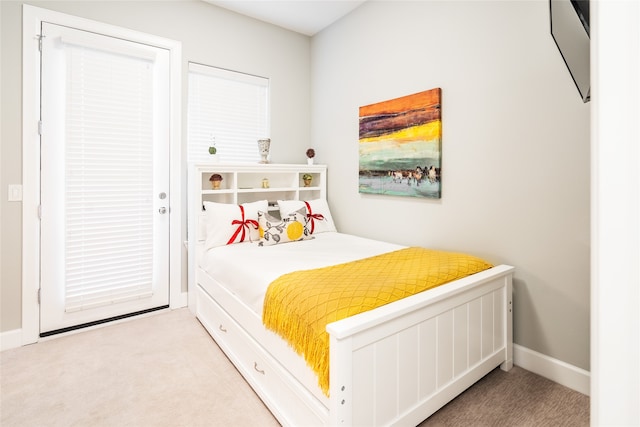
x=515 y=398
x=165 y=370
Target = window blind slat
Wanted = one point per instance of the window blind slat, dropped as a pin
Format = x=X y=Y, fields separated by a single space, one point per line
x=101 y=300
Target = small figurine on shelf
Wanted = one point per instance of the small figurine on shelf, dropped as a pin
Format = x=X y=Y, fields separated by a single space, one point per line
x=311 y=153
x=215 y=179
x=306 y=178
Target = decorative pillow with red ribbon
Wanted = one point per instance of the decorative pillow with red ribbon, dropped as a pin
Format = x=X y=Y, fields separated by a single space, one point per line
x=227 y=224
x=318 y=213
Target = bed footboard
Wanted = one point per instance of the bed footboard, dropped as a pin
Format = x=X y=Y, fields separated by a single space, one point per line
x=395 y=365
x=432 y=347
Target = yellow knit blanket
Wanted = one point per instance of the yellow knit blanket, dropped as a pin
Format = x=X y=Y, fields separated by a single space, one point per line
x=299 y=305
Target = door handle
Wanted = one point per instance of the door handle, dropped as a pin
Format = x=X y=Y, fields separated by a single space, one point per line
x=162 y=210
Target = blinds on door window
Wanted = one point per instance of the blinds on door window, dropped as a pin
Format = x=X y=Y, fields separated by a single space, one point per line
x=229 y=109
x=108 y=177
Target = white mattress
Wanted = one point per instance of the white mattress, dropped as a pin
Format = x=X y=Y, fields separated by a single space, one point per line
x=247 y=269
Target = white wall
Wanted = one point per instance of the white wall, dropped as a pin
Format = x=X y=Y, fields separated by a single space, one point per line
x=209 y=35
x=515 y=186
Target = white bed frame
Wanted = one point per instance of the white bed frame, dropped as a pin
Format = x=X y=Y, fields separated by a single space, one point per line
x=395 y=365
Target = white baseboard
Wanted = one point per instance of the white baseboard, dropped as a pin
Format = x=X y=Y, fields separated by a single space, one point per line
x=10 y=339
x=556 y=370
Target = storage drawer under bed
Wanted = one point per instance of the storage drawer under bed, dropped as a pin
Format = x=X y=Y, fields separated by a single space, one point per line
x=261 y=371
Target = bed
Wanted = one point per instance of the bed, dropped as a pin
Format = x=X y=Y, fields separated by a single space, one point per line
x=392 y=365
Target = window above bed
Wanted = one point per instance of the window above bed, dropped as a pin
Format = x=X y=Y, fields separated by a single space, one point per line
x=228 y=110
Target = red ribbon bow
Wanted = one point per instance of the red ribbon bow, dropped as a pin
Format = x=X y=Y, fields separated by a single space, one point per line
x=242 y=224
x=313 y=216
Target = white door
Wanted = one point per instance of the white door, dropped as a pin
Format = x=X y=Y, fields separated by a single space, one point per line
x=104 y=178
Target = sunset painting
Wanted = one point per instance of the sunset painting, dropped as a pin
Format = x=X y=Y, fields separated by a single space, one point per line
x=400 y=146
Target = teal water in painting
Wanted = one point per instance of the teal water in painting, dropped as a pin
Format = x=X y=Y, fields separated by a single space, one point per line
x=406 y=187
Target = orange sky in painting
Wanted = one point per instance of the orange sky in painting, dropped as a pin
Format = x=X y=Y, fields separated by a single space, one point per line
x=419 y=100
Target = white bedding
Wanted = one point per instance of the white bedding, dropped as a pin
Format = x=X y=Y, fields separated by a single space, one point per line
x=247 y=269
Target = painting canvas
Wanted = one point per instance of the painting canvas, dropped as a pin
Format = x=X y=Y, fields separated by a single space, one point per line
x=400 y=146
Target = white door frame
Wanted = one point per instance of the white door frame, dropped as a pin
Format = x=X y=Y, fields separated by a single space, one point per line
x=32 y=18
x=615 y=213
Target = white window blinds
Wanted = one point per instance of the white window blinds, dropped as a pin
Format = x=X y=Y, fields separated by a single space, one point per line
x=108 y=177
x=228 y=109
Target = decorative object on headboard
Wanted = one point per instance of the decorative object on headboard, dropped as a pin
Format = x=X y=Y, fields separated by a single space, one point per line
x=400 y=146
x=215 y=179
x=263 y=147
x=311 y=153
x=307 y=178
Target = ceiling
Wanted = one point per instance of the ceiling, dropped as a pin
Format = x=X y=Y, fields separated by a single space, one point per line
x=302 y=16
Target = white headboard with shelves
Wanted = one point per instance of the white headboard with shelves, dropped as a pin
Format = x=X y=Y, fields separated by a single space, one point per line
x=244 y=183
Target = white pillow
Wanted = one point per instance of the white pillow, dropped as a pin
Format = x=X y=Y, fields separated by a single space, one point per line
x=225 y=224
x=320 y=220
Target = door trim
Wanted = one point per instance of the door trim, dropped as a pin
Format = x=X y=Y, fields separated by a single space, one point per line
x=32 y=18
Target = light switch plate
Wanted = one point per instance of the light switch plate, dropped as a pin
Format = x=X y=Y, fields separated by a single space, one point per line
x=15 y=193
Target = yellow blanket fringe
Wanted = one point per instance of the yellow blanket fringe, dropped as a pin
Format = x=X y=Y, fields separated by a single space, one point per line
x=299 y=305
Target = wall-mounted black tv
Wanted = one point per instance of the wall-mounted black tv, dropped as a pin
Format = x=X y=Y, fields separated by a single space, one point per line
x=570 y=31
